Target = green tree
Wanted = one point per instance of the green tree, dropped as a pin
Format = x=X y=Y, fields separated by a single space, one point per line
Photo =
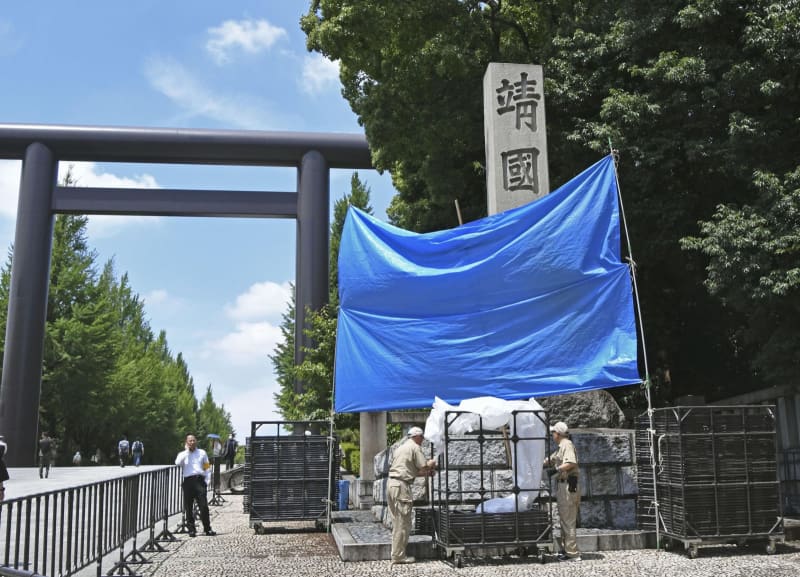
x=80 y=345
x=754 y=268
x=212 y=418
x=699 y=97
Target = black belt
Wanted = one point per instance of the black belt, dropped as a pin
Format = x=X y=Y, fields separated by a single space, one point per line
x=565 y=480
x=194 y=476
x=401 y=480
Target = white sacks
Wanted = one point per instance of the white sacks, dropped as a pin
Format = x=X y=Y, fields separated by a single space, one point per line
x=494 y=414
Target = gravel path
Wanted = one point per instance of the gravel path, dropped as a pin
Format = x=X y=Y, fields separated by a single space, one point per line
x=295 y=550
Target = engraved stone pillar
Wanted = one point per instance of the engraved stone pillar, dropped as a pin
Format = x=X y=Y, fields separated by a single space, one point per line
x=516 y=140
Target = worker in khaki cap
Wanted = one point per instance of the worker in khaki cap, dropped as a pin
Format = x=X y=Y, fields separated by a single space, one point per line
x=408 y=462
x=564 y=466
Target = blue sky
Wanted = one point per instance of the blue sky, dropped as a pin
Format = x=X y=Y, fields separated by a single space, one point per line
x=218 y=287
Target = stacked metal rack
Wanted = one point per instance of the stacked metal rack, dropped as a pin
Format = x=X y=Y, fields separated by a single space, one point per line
x=716 y=476
x=457 y=518
x=292 y=474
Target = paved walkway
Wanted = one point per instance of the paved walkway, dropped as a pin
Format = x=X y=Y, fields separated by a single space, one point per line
x=295 y=550
x=25 y=480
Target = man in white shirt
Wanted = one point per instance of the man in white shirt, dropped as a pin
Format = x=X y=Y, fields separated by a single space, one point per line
x=196 y=470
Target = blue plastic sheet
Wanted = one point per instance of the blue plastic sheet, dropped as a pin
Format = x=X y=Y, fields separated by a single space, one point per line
x=533 y=301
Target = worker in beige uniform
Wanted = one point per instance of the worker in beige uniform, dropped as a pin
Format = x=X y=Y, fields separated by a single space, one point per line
x=408 y=462
x=564 y=465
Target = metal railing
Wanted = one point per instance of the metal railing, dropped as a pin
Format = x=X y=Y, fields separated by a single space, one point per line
x=58 y=533
x=789 y=468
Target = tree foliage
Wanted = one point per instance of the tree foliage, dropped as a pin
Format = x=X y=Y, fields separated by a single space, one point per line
x=699 y=96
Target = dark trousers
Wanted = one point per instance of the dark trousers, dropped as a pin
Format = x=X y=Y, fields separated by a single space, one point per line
x=44 y=465
x=194 y=489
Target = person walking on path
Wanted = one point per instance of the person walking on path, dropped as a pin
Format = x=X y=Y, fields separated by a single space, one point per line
x=568 y=496
x=3 y=469
x=196 y=470
x=137 y=449
x=77 y=459
x=45 y=455
x=123 y=447
x=408 y=462
x=231 y=445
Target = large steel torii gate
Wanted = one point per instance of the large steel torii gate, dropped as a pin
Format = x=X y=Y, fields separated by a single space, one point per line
x=40 y=147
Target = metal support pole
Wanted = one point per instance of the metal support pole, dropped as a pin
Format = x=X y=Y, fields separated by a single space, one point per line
x=20 y=388
x=313 y=209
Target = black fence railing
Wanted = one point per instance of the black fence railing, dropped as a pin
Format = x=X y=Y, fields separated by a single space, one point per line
x=58 y=533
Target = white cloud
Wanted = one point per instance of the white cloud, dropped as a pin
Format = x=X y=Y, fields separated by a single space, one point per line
x=319 y=74
x=9 y=187
x=250 y=36
x=249 y=344
x=176 y=83
x=88 y=174
x=83 y=174
x=156 y=297
x=10 y=42
x=237 y=363
x=262 y=300
x=256 y=404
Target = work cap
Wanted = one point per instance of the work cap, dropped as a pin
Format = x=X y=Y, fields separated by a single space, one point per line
x=560 y=428
x=414 y=432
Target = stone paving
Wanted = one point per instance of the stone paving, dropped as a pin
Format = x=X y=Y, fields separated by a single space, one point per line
x=296 y=550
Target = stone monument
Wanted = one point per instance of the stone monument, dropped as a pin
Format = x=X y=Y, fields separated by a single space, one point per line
x=515 y=136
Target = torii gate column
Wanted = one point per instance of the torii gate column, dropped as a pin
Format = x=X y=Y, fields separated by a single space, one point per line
x=311 y=279
x=21 y=384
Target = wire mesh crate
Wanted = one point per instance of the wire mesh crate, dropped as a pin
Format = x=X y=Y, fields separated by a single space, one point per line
x=460 y=523
x=716 y=475
x=292 y=474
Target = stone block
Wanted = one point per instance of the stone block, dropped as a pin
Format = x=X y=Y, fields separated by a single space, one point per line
x=464 y=452
x=419 y=490
x=590 y=409
x=623 y=513
x=604 y=481
x=628 y=477
x=593 y=514
x=604 y=446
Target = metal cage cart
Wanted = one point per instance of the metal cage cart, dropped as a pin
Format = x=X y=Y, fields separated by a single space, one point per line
x=291 y=474
x=716 y=476
x=485 y=464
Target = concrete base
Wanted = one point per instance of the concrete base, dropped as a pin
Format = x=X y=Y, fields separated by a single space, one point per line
x=611 y=540
x=359 y=537
x=791 y=528
x=419 y=546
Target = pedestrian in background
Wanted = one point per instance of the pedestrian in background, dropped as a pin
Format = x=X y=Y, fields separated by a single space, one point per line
x=196 y=470
x=3 y=469
x=231 y=446
x=76 y=458
x=123 y=447
x=45 y=455
x=138 y=450
x=564 y=461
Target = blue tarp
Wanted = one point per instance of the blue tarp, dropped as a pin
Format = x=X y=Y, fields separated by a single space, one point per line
x=529 y=302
